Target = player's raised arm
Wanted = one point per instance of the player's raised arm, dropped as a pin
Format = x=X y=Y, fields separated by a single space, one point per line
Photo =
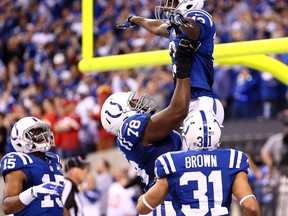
x=188 y=26
x=157 y=27
x=162 y=123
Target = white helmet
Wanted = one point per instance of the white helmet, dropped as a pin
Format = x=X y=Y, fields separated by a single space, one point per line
x=120 y=106
x=163 y=11
x=30 y=134
x=201 y=131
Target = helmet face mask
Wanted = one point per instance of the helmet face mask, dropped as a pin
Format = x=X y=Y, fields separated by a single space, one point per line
x=201 y=131
x=163 y=11
x=167 y=7
x=120 y=106
x=30 y=134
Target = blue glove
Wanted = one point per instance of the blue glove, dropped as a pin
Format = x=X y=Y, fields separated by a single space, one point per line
x=127 y=24
x=178 y=19
x=47 y=188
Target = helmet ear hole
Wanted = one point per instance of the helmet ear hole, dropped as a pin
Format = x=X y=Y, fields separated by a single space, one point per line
x=108 y=121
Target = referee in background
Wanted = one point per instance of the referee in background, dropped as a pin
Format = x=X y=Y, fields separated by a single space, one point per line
x=76 y=169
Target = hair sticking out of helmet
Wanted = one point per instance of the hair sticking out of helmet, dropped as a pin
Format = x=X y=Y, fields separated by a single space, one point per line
x=120 y=106
x=30 y=134
x=201 y=131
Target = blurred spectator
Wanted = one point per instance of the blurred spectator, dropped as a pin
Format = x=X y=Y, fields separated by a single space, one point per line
x=120 y=201
x=3 y=136
x=274 y=154
x=104 y=179
x=67 y=127
x=87 y=132
x=166 y=85
x=35 y=108
x=67 y=84
x=223 y=83
x=272 y=95
x=245 y=95
x=122 y=81
x=90 y=196
x=153 y=89
x=105 y=139
x=275 y=148
x=50 y=116
x=59 y=64
x=76 y=169
x=49 y=112
x=263 y=187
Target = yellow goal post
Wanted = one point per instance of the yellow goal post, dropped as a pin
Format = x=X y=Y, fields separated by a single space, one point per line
x=252 y=54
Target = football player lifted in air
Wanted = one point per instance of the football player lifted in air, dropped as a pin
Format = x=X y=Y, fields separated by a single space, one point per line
x=177 y=19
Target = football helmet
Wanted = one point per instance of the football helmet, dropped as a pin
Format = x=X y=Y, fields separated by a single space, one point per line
x=30 y=134
x=120 y=106
x=201 y=131
x=166 y=7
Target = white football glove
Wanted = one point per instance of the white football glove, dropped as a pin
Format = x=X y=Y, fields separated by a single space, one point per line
x=39 y=191
x=47 y=188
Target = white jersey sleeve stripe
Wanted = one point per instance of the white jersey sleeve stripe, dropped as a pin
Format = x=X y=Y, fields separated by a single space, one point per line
x=203 y=13
x=208 y=15
x=123 y=142
x=25 y=158
x=232 y=157
x=171 y=163
x=162 y=161
x=239 y=158
x=58 y=158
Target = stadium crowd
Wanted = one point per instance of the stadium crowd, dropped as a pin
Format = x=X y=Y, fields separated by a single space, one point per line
x=40 y=47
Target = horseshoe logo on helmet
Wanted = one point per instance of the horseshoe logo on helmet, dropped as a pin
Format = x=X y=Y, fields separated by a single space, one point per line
x=119 y=107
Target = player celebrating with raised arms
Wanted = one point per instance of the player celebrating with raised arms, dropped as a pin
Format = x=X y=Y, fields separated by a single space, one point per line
x=143 y=136
x=203 y=178
x=177 y=19
x=33 y=176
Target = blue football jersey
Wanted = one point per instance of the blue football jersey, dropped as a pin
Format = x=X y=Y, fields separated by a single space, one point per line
x=143 y=158
x=37 y=171
x=202 y=75
x=200 y=182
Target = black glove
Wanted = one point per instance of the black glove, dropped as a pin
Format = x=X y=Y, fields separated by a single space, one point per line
x=127 y=24
x=183 y=57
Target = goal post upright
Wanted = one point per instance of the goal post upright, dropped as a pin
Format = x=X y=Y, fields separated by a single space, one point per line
x=87 y=29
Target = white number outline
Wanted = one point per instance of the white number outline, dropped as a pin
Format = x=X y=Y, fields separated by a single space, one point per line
x=9 y=163
x=215 y=178
x=134 y=124
x=48 y=202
